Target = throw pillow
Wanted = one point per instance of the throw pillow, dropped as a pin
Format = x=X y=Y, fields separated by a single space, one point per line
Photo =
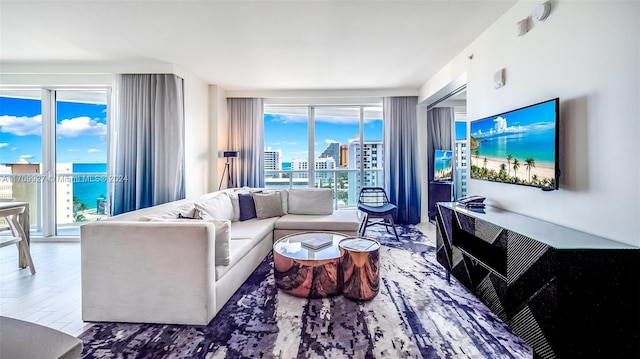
x=268 y=204
x=284 y=195
x=223 y=236
x=236 y=206
x=311 y=201
x=247 y=206
x=218 y=207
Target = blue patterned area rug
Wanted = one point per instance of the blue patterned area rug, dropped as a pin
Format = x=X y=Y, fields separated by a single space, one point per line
x=417 y=314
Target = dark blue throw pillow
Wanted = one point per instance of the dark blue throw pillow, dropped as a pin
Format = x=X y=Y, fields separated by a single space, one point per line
x=247 y=206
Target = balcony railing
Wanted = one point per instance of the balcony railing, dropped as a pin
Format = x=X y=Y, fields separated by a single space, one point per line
x=345 y=183
x=74 y=205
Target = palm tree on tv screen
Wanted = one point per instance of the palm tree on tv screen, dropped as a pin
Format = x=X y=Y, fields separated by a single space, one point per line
x=516 y=165
x=509 y=158
x=529 y=162
x=476 y=154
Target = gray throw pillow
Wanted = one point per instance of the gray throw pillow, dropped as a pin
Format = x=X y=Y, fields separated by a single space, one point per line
x=268 y=205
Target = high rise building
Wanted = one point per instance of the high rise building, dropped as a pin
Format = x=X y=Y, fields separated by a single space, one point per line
x=320 y=165
x=372 y=162
x=331 y=151
x=344 y=155
x=272 y=162
x=461 y=168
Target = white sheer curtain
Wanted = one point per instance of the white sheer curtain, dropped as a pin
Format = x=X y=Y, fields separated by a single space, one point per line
x=401 y=157
x=147 y=141
x=246 y=135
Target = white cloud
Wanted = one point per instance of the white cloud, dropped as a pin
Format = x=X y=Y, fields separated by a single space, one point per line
x=93 y=150
x=26 y=157
x=73 y=150
x=3 y=144
x=80 y=126
x=13 y=148
x=286 y=143
x=21 y=126
x=328 y=140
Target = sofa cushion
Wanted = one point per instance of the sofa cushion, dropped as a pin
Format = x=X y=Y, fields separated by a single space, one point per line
x=254 y=229
x=341 y=220
x=310 y=201
x=222 y=238
x=238 y=249
x=247 y=206
x=284 y=195
x=268 y=204
x=218 y=207
x=236 y=206
x=186 y=210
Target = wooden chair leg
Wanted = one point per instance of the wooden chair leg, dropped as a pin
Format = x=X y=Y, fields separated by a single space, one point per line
x=16 y=228
x=27 y=255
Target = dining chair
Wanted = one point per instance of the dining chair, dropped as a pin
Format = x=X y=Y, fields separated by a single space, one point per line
x=374 y=203
x=17 y=236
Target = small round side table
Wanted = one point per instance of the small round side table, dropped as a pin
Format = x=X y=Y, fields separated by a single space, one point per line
x=359 y=258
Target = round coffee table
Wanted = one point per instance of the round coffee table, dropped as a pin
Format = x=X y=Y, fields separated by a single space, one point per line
x=306 y=272
x=359 y=268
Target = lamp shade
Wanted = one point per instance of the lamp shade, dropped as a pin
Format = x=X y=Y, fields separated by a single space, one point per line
x=227 y=154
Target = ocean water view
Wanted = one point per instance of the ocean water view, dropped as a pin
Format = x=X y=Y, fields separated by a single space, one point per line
x=537 y=144
x=88 y=192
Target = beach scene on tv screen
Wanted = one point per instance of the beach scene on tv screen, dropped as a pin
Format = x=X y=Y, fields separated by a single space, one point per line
x=516 y=147
x=443 y=168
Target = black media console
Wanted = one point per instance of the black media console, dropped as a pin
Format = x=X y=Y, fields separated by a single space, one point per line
x=567 y=293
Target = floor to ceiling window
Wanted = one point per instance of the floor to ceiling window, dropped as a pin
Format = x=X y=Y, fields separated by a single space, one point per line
x=53 y=154
x=344 y=144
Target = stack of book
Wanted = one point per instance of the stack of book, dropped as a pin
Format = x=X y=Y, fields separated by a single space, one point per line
x=317 y=243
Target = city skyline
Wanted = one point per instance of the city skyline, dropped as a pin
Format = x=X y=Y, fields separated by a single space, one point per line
x=289 y=133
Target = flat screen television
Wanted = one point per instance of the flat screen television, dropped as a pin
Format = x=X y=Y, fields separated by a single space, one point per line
x=442 y=165
x=518 y=147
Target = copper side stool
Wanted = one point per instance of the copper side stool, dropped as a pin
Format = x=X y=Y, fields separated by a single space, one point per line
x=359 y=263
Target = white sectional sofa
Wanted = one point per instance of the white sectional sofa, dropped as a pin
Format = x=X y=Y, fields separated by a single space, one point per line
x=180 y=262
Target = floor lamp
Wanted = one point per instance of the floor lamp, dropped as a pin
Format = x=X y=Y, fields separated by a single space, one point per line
x=227 y=155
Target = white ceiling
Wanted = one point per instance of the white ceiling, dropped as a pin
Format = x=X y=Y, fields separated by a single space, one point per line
x=253 y=45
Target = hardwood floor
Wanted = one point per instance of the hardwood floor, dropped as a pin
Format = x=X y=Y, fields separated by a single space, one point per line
x=52 y=297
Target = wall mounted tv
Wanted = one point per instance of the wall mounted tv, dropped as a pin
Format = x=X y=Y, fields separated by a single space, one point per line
x=442 y=165
x=518 y=147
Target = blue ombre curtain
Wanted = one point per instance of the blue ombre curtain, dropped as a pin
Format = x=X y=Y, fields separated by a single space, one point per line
x=402 y=182
x=146 y=159
x=246 y=135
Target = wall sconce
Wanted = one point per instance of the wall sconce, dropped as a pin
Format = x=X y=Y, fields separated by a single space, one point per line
x=227 y=155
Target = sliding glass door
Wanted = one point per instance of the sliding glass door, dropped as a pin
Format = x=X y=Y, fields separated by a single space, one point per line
x=53 y=154
x=344 y=150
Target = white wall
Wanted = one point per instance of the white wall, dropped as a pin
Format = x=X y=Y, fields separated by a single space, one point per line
x=196 y=119
x=219 y=134
x=588 y=55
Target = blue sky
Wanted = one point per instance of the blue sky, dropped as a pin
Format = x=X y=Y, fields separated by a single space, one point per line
x=289 y=133
x=81 y=131
x=461 y=130
x=541 y=116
